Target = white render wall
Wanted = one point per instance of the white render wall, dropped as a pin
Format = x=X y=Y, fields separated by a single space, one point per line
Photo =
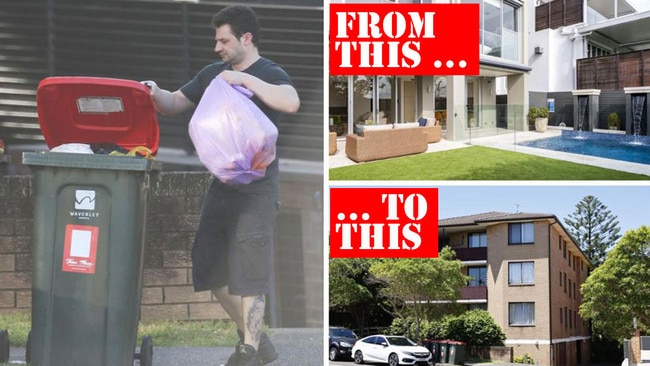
x=554 y=70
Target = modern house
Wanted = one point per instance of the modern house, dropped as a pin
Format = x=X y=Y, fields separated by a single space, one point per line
x=598 y=48
x=477 y=105
x=526 y=271
x=532 y=53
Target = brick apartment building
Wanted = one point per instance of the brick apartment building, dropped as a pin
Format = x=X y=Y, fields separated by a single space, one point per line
x=526 y=272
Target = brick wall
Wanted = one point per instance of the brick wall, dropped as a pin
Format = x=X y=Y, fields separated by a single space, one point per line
x=173 y=213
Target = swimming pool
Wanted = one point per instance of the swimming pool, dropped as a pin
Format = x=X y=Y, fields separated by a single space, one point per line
x=602 y=145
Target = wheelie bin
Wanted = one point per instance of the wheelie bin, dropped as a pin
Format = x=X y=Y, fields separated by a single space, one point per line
x=89 y=222
x=444 y=351
x=456 y=353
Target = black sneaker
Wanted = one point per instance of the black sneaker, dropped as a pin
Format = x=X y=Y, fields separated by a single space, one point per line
x=266 y=350
x=247 y=356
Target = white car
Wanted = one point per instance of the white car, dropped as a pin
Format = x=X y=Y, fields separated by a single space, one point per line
x=393 y=350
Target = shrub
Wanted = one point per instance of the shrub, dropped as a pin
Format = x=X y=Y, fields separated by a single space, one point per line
x=613 y=120
x=525 y=359
x=475 y=327
x=537 y=112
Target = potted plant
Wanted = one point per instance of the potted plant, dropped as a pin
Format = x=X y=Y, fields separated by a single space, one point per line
x=538 y=116
x=613 y=121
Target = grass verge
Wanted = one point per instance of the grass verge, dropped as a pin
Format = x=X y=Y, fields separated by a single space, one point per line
x=167 y=333
x=477 y=163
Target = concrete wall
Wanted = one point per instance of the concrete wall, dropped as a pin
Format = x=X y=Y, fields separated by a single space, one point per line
x=173 y=213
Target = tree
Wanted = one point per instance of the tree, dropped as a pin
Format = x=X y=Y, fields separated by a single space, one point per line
x=594 y=228
x=619 y=290
x=418 y=287
x=351 y=289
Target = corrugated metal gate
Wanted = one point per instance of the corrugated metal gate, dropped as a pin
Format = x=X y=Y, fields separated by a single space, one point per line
x=165 y=41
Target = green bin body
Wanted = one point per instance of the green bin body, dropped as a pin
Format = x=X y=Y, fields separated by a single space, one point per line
x=89 y=221
x=443 y=355
x=434 y=348
x=456 y=353
x=89 y=229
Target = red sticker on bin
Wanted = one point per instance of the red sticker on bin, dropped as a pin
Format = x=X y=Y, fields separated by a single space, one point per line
x=80 y=249
x=383 y=222
x=404 y=39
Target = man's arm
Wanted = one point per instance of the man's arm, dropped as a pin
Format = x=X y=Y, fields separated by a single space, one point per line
x=167 y=102
x=283 y=98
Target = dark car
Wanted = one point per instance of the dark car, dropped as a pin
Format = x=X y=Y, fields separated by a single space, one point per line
x=341 y=342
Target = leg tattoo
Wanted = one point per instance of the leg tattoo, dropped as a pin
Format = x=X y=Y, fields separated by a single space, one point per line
x=255 y=318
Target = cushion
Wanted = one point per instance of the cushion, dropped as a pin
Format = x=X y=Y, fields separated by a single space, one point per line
x=407 y=125
x=422 y=121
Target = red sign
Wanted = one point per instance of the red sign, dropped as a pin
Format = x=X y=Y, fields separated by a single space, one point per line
x=383 y=222
x=80 y=248
x=404 y=39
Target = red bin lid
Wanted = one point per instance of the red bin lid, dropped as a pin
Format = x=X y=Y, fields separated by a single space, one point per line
x=91 y=110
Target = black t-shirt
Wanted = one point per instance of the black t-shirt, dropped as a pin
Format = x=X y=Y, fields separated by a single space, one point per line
x=264 y=70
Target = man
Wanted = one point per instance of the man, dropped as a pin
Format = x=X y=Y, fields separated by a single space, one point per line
x=232 y=253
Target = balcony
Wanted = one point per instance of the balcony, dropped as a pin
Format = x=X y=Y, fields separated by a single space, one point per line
x=471 y=254
x=473 y=293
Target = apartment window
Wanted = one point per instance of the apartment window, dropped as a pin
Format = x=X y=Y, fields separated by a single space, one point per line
x=569 y=287
x=477 y=306
x=520 y=273
x=564 y=273
x=561 y=316
x=564 y=248
x=560 y=278
x=478 y=276
x=521 y=313
x=575 y=292
x=521 y=233
x=566 y=317
x=477 y=240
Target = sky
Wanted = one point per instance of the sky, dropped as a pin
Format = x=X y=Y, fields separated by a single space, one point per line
x=640 y=5
x=630 y=203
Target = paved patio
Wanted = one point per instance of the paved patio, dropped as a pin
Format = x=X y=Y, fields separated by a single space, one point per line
x=507 y=142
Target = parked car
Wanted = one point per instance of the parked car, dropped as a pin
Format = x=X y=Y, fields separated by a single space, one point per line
x=341 y=342
x=393 y=350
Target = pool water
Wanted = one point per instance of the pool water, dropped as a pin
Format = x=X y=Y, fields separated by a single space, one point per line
x=618 y=147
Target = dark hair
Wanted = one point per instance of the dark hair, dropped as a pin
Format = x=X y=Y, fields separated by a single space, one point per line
x=241 y=19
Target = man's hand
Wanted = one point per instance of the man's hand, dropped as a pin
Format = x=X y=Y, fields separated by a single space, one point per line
x=283 y=98
x=235 y=77
x=165 y=101
x=153 y=87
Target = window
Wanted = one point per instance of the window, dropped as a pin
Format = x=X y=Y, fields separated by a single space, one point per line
x=521 y=313
x=477 y=306
x=477 y=240
x=478 y=276
x=521 y=233
x=521 y=273
x=561 y=316
x=569 y=287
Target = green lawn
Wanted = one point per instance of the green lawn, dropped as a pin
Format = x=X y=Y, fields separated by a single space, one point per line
x=165 y=333
x=477 y=163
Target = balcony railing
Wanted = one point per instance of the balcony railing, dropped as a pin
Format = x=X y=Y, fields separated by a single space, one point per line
x=473 y=293
x=614 y=72
x=471 y=254
x=558 y=13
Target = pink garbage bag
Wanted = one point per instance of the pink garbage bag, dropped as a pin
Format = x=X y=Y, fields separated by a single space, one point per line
x=234 y=139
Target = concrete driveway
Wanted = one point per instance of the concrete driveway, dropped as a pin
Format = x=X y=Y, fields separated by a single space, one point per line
x=295 y=347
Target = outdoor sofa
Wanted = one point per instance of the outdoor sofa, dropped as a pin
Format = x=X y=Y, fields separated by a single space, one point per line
x=386 y=141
